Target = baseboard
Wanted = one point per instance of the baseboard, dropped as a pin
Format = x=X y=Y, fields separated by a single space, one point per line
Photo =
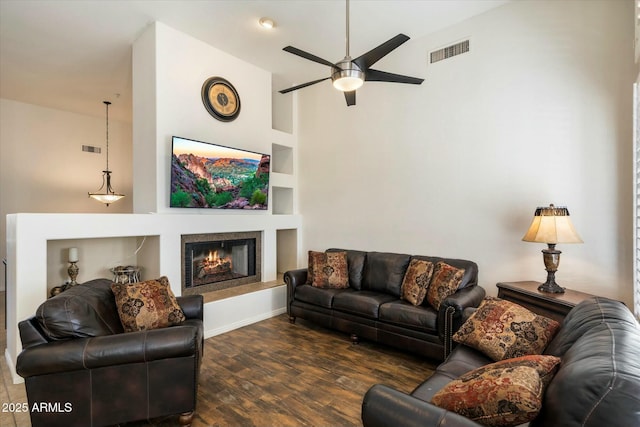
x=17 y=379
x=245 y=322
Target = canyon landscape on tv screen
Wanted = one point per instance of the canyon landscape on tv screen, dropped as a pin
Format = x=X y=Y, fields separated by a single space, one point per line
x=205 y=175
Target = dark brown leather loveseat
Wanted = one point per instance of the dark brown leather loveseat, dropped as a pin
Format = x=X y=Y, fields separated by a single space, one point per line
x=371 y=307
x=81 y=369
x=597 y=384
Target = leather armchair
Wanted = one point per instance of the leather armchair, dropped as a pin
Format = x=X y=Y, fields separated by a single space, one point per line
x=100 y=375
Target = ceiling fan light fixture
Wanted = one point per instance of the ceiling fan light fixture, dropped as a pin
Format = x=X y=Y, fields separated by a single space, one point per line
x=348 y=83
x=347 y=76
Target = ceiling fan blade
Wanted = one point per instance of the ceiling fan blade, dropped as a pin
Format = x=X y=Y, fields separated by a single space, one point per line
x=350 y=98
x=382 y=76
x=307 y=55
x=291 y=89
x=374 y=55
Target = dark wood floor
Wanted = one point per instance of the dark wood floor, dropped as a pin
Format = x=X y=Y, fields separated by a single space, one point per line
x=273 y=373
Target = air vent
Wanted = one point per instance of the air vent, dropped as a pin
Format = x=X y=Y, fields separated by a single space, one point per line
x=91 y=149
x=449 y=51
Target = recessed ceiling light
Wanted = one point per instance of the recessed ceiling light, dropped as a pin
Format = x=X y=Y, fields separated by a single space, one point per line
x=267 y=23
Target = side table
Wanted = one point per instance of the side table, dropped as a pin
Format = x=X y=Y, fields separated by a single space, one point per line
x=526 y=293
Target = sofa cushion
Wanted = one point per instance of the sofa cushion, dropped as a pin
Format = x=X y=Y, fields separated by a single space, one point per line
x=445 y=281
x=328 y=269
x=383 y=272
x=355 y=262
x=461 y=360
x=505 y=393
x=503 y=330
x=603 y=365
x=85 y=310
x=147 y=305
x=416 y=281
x=363 y=303
x=317 y=296
x=408 y=315
x=585 y=316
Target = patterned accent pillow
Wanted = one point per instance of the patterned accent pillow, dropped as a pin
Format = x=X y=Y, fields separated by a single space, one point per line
x=329 y=270
x=506 y=393
x=416 y=281
x=446 y=280
x=503 y=330
x=147 y=305
x=310 y=267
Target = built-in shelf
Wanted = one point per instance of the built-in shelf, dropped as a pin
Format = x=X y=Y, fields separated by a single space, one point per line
x=282 y=200
x=282 y=159
x=286 y=250
x=98 y=255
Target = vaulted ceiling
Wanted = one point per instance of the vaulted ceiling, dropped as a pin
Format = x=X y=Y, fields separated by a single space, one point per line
x=72 y=55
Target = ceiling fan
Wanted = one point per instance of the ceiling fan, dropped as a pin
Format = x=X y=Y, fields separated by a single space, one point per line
x=349 y=74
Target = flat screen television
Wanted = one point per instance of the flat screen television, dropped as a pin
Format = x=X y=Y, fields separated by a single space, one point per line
x=205 y=175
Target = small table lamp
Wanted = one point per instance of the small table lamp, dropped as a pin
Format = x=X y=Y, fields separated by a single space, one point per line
x=551 y=225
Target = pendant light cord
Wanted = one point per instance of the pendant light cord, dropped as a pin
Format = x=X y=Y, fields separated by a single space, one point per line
x=107 y=103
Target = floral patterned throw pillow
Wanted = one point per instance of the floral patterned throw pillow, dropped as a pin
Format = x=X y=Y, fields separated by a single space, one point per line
x=446 y=280
x=147 y=305
x=505 y=393
x=328 y=270
x=503 y=330
x=416 y=281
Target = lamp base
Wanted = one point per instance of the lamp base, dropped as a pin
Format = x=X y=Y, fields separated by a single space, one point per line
x=551 y=287
x=73 y=273
x=551 y=257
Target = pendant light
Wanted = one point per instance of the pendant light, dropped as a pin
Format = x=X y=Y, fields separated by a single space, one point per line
x=108 y=196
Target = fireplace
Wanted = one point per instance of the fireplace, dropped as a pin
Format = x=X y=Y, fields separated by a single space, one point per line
x=217 y=261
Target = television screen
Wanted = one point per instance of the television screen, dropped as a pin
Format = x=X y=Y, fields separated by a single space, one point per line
x=205 y=175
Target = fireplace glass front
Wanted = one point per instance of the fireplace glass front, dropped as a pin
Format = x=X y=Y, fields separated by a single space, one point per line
x=219 y=263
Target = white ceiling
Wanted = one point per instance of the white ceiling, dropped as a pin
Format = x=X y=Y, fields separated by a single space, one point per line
x=73 y=54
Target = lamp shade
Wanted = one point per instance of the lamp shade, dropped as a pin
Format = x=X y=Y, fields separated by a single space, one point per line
x=552 y=225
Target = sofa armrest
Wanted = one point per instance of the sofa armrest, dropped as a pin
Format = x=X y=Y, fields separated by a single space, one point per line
x=383 y=406
x=450 y=314
x=293 y=278
x=192 y=306
x=108 y=350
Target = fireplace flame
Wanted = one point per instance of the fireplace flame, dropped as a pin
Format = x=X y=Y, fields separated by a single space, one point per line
x=214 y=260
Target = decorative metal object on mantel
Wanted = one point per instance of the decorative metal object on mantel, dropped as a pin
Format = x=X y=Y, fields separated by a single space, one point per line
x=108 y=196
x=551 y=225
x=124 y=275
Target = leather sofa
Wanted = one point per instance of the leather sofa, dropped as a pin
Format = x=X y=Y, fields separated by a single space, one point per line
x=371 y=307
x=81 y=369
x=597 y=384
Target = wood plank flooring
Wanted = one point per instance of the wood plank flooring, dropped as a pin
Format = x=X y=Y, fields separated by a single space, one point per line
x=276 y=374
x=273 y=373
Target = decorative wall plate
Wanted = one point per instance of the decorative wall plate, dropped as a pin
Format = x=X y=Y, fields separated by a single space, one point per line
x=221 y=99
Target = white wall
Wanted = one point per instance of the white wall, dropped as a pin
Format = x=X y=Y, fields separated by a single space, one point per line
x=43 y=167
x=180 y=65
x=538 y=112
